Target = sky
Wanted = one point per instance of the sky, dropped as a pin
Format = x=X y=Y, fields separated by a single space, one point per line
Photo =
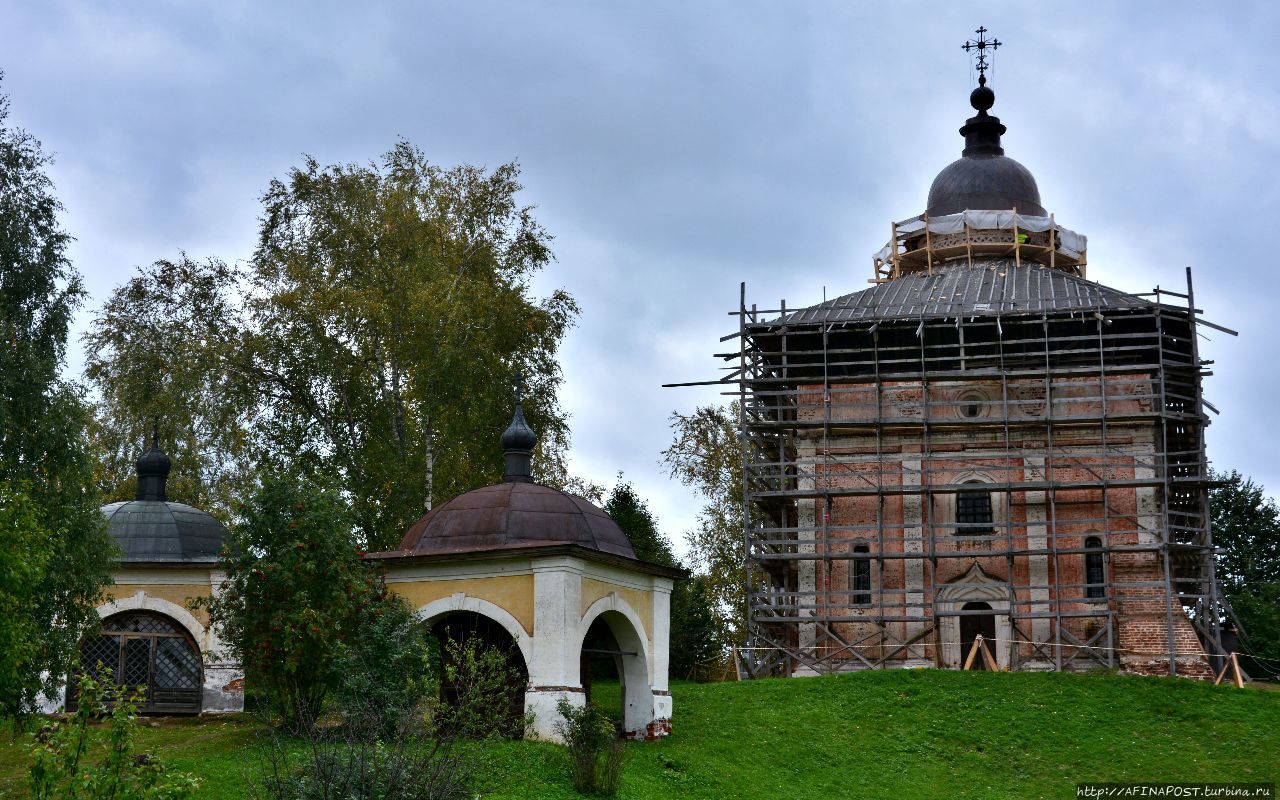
x=677 y=149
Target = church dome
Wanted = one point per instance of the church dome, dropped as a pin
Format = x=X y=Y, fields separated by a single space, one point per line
x=984 y=178
x=516 y=513
x=151 y=529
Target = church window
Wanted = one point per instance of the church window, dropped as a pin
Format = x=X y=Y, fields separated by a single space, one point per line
x=1094 y=576
x=973 y=511
x=860 y=577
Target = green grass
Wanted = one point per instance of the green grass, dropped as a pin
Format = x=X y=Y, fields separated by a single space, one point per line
x=894 y=734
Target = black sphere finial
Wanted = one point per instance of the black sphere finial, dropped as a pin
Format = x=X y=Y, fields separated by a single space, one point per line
x=982 y=99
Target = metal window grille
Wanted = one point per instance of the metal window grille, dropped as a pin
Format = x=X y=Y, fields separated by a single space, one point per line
x=860 y=577
x=973 y=512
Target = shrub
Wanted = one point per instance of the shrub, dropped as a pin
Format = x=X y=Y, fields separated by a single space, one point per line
x=485 y=693
x=299 y=607
x=74 y=759
x=430 y=754
x=341 y=761
x=595 y=752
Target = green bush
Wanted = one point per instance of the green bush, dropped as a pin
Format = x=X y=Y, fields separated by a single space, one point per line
x=595 y=752
x=305 y=615
x=76 y=760
x=484 y=689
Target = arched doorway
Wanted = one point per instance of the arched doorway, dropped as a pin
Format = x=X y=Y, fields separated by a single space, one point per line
x=602 y=674
x=973 y=623
x=612 y=639
x=457 y=632
x=146 y=650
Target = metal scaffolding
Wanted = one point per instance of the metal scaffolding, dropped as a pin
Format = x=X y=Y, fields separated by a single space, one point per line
x=866 y=422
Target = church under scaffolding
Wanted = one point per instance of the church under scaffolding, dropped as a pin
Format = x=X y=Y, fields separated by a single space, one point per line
x=982 y=443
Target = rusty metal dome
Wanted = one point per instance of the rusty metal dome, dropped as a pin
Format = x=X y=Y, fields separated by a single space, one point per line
x=512 y=515
x=516 y=513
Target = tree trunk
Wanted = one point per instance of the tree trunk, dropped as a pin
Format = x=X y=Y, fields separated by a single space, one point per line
x=429 y=436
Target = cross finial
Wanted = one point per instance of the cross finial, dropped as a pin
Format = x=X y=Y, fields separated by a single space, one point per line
x=982 y=46
x=519 y=385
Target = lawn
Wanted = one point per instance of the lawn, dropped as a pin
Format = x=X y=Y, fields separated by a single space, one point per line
x=892 y=734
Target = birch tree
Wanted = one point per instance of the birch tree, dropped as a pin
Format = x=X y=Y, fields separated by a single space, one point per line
x=373 y=336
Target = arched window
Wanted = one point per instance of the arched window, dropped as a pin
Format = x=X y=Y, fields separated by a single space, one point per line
x=972 y=404
x=1095 y=578
x=973 y=511
x=147 y=651
x=860 y=577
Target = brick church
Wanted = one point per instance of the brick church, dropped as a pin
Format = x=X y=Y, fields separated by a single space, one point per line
x=982 y=443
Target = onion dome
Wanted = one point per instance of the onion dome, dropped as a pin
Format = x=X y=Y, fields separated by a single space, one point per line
x=152 y=529
x=518 y=441
x=516 y=513
x=984 y=178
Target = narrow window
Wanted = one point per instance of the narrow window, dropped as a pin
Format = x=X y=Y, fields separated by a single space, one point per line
x=1094 y=578
x=973 y=512
x=860 y=577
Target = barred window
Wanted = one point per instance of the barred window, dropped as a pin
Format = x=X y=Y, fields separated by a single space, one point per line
x=1095 y=579
x=860 y=577
x=142 y=650
x=973 y=512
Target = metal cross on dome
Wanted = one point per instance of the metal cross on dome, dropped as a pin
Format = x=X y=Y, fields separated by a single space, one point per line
x=982 y=46
x=519 y=386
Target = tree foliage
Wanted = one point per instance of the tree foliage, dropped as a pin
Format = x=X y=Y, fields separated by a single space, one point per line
x=1246 y=529
x=162 y=348
x=301 y=611
x=705 y=454
x=59 y=562
x=373 y=336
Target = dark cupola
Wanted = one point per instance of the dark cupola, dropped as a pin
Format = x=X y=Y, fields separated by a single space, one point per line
x=984 y=178
x=153 y=471
x=518 y=441
x=152 y=529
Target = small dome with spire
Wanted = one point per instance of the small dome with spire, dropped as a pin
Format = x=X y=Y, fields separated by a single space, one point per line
x=984 y=178
x=151 y=528
x=516 y=513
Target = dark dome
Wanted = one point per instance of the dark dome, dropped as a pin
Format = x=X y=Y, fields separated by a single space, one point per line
x=984 y=178
x=150 y=528
x=984 y=183
x=157 y=530
x=511 y=515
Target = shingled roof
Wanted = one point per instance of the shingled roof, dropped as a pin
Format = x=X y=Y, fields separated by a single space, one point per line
x=987 y=288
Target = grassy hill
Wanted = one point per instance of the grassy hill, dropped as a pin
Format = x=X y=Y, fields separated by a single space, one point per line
x=894 y=734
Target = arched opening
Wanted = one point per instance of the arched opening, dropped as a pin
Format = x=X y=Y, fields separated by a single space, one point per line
x=613 y=647
x=457 y=633
x=975 y=622
x=860 y=576
x=1095 y=578
x=146 y=651
x=602 y=674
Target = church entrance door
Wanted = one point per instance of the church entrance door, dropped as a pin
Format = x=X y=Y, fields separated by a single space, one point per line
x=972 y=624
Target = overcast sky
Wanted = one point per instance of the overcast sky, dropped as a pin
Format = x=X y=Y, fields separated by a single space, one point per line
x=676 y=149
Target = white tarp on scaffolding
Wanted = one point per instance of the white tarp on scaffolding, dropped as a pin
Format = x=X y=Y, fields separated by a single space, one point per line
x=1069 y=242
